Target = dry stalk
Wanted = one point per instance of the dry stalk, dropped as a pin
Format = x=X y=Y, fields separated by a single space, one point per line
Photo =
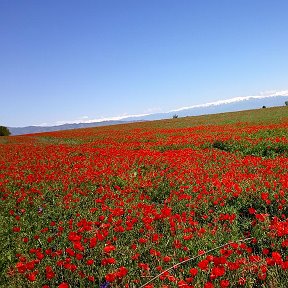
x=193 y=258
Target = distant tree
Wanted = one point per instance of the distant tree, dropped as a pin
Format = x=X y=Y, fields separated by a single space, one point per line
x=175 y=116
x=263 y=106
x=4 y=131
x=286 y=103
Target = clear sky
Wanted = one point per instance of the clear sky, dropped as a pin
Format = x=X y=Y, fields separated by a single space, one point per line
x=70 y=60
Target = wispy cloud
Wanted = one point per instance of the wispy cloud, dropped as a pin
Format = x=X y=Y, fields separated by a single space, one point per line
x=113 y=118
x=271 y=93
x=85 y=119
x=262 y=95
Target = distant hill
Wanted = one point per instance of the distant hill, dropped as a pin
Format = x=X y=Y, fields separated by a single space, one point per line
x=39 y=129
x=230 y=105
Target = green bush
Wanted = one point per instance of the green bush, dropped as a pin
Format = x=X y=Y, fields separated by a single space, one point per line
x=4 y=131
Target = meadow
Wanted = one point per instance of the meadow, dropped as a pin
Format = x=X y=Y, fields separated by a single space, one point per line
x=188 y=202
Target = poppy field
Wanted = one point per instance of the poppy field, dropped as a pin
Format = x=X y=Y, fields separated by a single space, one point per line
x=188 y=202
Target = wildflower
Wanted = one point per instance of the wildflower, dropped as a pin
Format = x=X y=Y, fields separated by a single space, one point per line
x=109 y=248
x=110 y=277
x=193 y=271
x=107 y=261
x=203 y=265
x=217 y=272
x=277 y=257
x=209 y=285
x=122 y=272
x=167 y=258
x=242 y=281
x=224 y=283
x=91 y=278
x=49 y=272
x=21 y=267
x=90 y=262
x=252 y=211
x=31 y=276
x=64 y=285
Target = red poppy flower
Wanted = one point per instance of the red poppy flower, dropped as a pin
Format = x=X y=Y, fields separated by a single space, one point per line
x=167 y=258
x=109 y=248
x=193 y=271
x=64 y=285
x=122 y=272
x=31 y=276
x=208 y=285
x=110 y=277
x=49 y=272
x=203 y=265
x=217 y=271
x=224 y=283
x=90 y=262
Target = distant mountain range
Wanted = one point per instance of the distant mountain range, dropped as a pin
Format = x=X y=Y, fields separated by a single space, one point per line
x=40 y=129
x=230 y=105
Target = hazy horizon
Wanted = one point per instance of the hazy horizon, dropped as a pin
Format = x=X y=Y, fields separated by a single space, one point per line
x=283 y=93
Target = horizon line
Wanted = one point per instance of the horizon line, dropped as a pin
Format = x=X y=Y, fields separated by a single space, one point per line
x=268 y=94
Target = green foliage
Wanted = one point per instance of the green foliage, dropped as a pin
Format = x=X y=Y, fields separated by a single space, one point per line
x=218 y=144
x=286 y=103
x=175 y=116
x=262 y=149
x=4 y=131
x=160 y=192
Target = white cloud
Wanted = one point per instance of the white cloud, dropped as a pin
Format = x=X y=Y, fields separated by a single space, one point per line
x=262 y=95
x=85 y=119
x=113 y=118
x=274 y=93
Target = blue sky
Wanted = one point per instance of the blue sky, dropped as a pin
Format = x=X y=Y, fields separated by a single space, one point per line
x=70 y=60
